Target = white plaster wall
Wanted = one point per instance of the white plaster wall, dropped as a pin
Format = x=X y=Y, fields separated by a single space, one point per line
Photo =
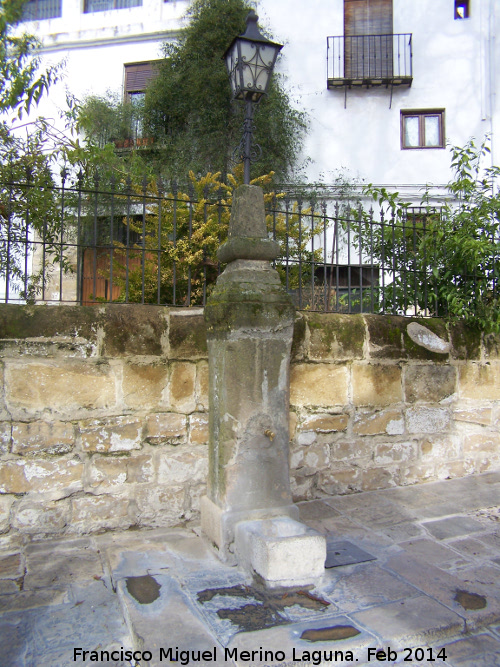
x=94 y=47
x=453 y=68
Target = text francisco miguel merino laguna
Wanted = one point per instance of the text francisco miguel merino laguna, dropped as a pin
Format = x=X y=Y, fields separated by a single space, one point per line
x=317 y=657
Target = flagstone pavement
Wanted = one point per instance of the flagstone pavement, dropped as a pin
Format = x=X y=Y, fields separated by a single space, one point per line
x=412 y=578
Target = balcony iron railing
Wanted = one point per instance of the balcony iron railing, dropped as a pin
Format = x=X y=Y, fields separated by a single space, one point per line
x=369 y=60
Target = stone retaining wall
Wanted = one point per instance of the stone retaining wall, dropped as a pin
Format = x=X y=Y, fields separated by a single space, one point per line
x=104 y=412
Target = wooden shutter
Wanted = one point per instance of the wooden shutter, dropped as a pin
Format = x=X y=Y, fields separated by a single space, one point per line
x=138 y=75
x=368 y=46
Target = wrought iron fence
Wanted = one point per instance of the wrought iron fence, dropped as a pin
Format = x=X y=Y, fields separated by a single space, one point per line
x=157 y=243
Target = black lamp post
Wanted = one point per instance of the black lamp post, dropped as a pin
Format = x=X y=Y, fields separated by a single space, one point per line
x=250 y=61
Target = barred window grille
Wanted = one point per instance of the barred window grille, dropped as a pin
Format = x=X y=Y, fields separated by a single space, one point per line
x=38 y=10
x=107 y=5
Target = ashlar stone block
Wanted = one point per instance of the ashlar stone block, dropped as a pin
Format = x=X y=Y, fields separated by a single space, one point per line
x=474 y=415
x=40 y=437
x=161 y=505
x=202 y=385
x=106 y=473
x=5 y=507
x=130 y=330
x=347 y=450
x=325 y=423
x=54 y=478
x=11 y=566
x=387 y=453
x=181 y=391
x=5 y=437
x=483 y=444
x=492 y=346
x=385 y=421
x=143 y=385
x=66 y=388
x=182 y=464
x=282 y=551
x=427 y=419
x=187 y=334
x=376 y=385
x=441 y=447
x=112 y=472
x=4 y=414
x=322 y=385
x=430 y=383
x=165 y=428
x=41 y=517
x=334 y=337
x=314 y=457
x=376 y=478
x=198 y=429
x=91 y=513
x=385 y=336
x=338 y=481
x=480 y=381
x=116 y=434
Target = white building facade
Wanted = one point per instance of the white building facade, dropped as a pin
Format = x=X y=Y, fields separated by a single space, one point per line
x=387 y=84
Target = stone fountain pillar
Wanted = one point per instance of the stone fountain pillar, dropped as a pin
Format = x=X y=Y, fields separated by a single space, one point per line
x=248 y=512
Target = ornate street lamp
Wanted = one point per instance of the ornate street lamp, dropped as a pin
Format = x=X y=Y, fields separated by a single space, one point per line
x=250 y=61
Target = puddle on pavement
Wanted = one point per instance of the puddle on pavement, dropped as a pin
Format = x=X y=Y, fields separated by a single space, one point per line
x=266 y=609
x=335 y=633
x=470 y=601
x=252 y=617
x=144 y=589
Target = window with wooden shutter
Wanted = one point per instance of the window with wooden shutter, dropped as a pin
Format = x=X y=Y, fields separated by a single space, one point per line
x=368 y=35
x=138 y=76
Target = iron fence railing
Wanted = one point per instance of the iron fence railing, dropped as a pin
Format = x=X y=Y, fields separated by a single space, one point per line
x=152 y=243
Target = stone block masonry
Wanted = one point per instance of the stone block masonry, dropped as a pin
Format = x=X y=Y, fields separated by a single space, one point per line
x=104 y=412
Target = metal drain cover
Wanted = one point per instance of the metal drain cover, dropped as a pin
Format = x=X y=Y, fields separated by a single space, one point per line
x=345 y=553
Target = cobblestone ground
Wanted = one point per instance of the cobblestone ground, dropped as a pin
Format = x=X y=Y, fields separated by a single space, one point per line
x=415 y=579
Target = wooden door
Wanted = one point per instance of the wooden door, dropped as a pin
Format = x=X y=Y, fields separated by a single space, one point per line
x=368 y=46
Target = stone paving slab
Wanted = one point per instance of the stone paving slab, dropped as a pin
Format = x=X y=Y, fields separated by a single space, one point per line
x=365 y=585
x=289 y=646
x=452 y=526
x=418 y=621
x=435 y=584
x=167 y=625
x=476 y=604
x=435 y=553
x=48 y=635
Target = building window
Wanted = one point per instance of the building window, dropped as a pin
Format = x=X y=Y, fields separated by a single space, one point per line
x=107 y=5
x=37 y=10
x=137 y=78
x=422 y=129
x=368 y=34
x=462 y=9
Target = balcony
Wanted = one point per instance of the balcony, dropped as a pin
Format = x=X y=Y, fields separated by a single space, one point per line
x=369 y=60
